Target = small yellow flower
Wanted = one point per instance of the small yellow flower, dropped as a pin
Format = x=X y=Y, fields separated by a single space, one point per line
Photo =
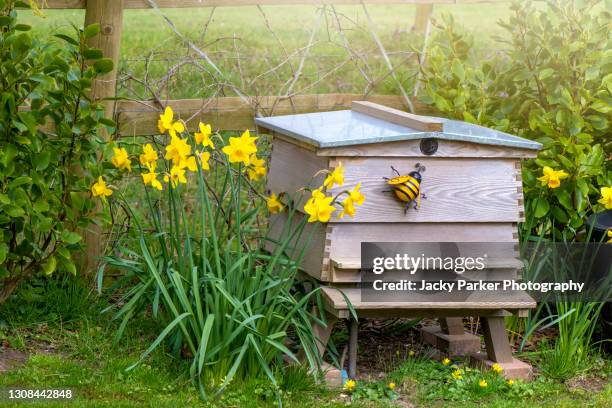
x=149 y=154
x=411 y=353
x=99 y=189
x=335 y=177
x=552 y=177
x=483 y=384
x=241 y=148
x=457 y=374
x=177 y=175
x=274 y=205
x=203 y=136
x=347 y=208
x=391 y=385
x=510 y=382
x=319 y=207
x=356 y=195
x=497 y=368
x=446 y=361
x=150 y=178
x=350 y=385
x=178 y=150
x=204 y=158
x=121 y=160
x=257 y=168
x=610 y=236
x=166 y=123
x=606 y=197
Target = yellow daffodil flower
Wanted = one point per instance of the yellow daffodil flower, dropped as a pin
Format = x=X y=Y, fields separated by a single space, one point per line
x=446 y=361
x=319 y=208
x=176 y=176
x=204 y=158
x=335 y=177
x=551 y=177
x=347 y=208
x=99 y=189
x=150 y=178
x=240 y=149
x=178 y=150
x=457 y=374
x=350 y=385
x=189 y=163
x=149 y=154
x=203 y=136
x=497 y=368
x=606 y=197
x=391 y=385
x=274 y=205
x=121 y=160
x=356 y=195
x=257 y=168
x=483 y=384
x=166 y=123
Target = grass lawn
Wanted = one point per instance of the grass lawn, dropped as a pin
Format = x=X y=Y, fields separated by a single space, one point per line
x=71 y=345
x=247 y=47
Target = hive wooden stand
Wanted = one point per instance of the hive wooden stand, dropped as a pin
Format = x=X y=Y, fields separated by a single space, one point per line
x=474 y=194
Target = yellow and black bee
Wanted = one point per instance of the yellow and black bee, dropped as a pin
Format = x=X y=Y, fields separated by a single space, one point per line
x=407 y=188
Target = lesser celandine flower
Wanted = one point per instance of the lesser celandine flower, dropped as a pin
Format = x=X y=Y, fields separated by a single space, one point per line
x=446 y=361
x=203 y=136
x=149 y=154
x=240 y=149
x=166 y=123
x=606 y=197
x=483 y=384
x=457 y=374
x=610 y=236
x=150 y=178
x=551 y=177
x=273 y=203
x=350 y=385
x=497 y=368
x=99 y=189
x=335 y=177
x=121 y=160
x=391 y=385
x=411 y=353
x=510 y=382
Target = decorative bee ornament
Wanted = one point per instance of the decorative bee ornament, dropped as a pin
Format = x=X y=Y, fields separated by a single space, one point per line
x=407 y=188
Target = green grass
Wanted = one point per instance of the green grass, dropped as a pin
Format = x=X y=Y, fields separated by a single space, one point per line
x=239 y=42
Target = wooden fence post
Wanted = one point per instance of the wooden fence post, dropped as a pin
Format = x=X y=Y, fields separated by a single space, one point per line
x=421 y=19
x=109 y=14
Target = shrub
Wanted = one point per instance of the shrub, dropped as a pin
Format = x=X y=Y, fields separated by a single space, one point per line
x=48 y=148
x=222 y=291
x=552 y=82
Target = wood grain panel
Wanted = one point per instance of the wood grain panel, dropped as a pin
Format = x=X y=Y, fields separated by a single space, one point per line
x=411 y=148
x=457 y=190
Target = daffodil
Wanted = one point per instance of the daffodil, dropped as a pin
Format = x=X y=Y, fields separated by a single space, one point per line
x=99 y=189
x=204 y=158
x=446 y=361
x=176 y=176
x=335 y=177
x=606 y=197
x=457 y=374
x=189 y=163
x=203 y=136
x=350 y=385
x=319 y=207
x=178 y=150
x=483 y=384
x=356 y=195
x=347 y=208
x=121 y=160
x=149 y=154
x=274 y=205
x=241 y=148
x=150 y=178
x=391 y=385
x=551 y=177
x=166 y=123
x=497 y=368
x=257 y=168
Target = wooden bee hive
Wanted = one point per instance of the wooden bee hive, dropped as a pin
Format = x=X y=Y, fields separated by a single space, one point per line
x=472 y=183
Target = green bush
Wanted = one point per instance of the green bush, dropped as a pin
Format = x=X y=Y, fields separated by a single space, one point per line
x=48 y=147
x=551 y=81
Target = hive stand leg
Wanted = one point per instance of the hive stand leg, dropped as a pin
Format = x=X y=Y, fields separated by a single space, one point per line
x=499 y=351
x=352 y=360
x=450 y=337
